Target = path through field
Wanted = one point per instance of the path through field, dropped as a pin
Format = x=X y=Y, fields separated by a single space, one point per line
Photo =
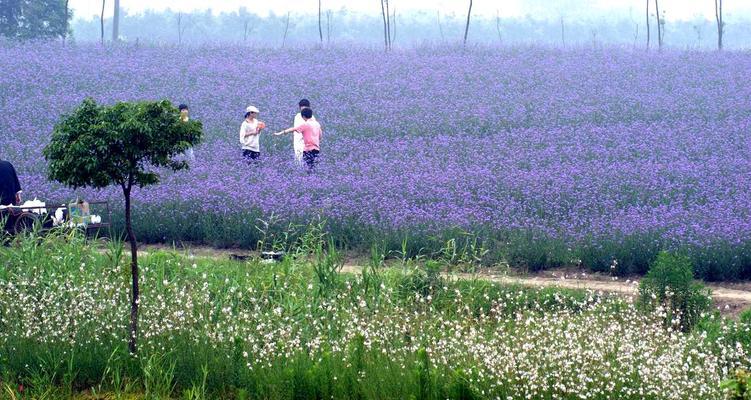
x=730 y=298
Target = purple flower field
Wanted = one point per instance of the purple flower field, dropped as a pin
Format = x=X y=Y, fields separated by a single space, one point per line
x=546 y=156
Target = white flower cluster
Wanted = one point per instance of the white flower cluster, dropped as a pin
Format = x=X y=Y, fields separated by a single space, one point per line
x=596 y=347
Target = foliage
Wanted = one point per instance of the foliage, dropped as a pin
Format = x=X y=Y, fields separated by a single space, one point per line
x=221 y=329
x=99 y=146
x=737 y=387
x=121 y=145
x=536 y=177
x=34 y=19
x=670 y=284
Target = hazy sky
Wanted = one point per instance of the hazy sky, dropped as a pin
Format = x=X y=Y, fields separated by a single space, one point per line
x=674 y=9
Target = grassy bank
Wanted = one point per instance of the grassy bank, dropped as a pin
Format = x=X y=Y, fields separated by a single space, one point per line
x=301 y=330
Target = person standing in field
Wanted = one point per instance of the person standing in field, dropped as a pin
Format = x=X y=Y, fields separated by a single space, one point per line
x=297 y=140
x=10 y=188
x=185 y=118
x=311 y=132
x=250 y=130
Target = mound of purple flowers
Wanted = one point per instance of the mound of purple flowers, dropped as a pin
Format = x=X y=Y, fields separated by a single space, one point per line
x=547 y=156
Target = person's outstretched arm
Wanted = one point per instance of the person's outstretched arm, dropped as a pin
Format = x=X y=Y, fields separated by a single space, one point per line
x=288 y=130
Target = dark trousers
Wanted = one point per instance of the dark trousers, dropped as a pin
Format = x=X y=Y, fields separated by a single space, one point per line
x=310 y=158
x=250 y=155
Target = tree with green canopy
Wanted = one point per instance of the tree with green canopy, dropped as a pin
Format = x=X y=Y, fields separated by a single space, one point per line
x=34 y=19
x=126 y=144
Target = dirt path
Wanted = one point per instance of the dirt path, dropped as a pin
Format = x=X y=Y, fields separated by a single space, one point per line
x=730 y=298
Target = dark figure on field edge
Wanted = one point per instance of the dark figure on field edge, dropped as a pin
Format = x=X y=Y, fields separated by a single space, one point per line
x=10 y=188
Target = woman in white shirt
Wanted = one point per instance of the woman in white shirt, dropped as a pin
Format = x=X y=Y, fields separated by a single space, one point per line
x=250 y=130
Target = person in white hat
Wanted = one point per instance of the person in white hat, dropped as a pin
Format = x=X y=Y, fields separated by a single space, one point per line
x=250 y=130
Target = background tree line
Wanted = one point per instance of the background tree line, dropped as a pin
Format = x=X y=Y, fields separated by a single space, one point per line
x=27 y=19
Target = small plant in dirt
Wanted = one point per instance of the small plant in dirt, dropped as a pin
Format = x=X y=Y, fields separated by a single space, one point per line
x=670 y=284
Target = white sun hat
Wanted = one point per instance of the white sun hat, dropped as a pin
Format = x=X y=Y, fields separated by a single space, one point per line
x=252 y=109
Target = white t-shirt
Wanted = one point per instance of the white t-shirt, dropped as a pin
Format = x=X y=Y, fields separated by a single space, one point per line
x=297 y=141
x=250 y=142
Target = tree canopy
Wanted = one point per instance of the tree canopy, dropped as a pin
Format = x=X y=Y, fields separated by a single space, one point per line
x=123 y=144
x=34 y=19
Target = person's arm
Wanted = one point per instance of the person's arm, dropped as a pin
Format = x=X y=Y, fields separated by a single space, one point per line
x=288 y=130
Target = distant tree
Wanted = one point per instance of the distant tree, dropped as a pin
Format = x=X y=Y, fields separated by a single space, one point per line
x=720 y=22
x=286 y=29
x=393 y=26
x=698 y=30
x=181 y=27
x=659 y=24
x=34 y=19
x=124 y=145
x=498 y=25
x=385 y=26
x=388 y=23
x=328 y=26
x=466 y=28
x=116 y=22
x=440 y=27
x=320 y=27
x=101 y=23
x=66 y=21
x=648 y=33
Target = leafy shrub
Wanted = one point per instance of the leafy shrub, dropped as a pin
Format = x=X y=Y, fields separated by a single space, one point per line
x=745 y=316
x=670 y=284
x=422 y=281
x=736 y=388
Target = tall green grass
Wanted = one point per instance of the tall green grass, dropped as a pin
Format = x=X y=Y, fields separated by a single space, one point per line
x=526 y=249
x=300 y=329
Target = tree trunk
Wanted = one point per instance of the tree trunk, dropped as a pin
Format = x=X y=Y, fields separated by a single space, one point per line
x=440 y=28
x=648 y=33
x=65 y=34
x=388 y=24
x=116 y=22
x=134 y=298
x=385 y=34
x=720 y=23
x=245 y=34
x=328 y=27
x=393 y=27
x=563 y=33
x=466 y=28
x=179 y=28
x=101 y=22
x=320 y=27
x=498 y=26
x=659 y=24
x=286 y=29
